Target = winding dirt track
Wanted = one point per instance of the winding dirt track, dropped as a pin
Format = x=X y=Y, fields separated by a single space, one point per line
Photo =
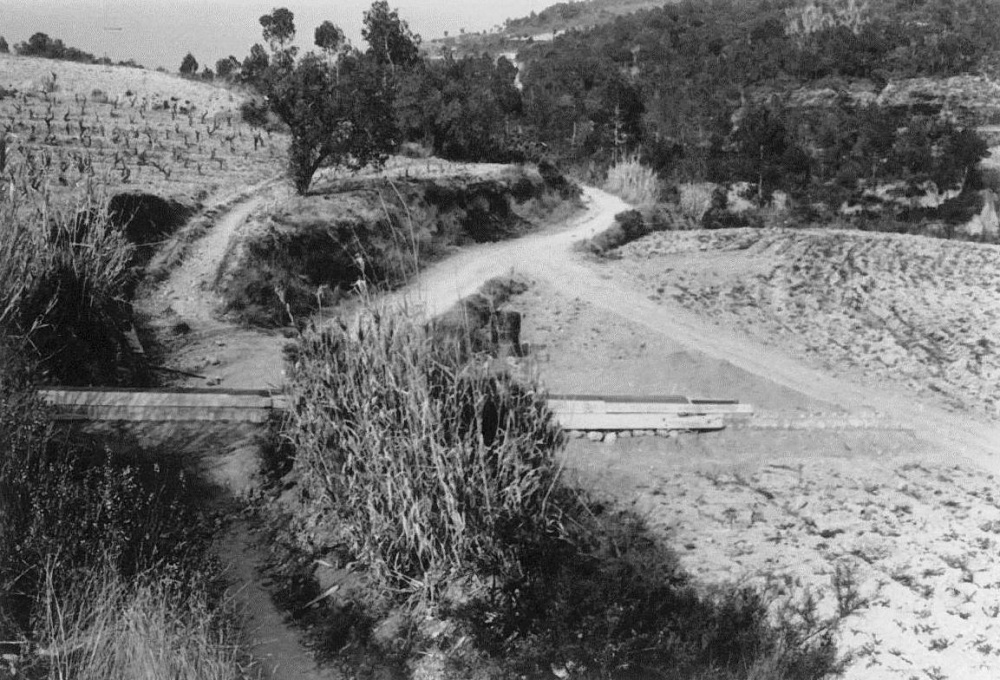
x=245 y=358
x=550 y=256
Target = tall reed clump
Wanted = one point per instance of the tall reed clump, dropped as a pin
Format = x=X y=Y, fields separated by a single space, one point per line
x=434 y=468
x=633 y=182
x=65 y=272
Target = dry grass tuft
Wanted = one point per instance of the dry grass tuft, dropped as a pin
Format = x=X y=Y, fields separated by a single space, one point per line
x=151 y=629
x=634 y=182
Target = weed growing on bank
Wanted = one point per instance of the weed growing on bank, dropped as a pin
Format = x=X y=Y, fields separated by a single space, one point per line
x=432 y=467
x=103 y=572
x=149 y=627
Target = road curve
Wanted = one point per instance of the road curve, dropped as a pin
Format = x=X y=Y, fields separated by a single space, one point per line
x=549 y=255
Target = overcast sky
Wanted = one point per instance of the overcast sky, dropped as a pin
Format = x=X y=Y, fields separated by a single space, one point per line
x=160 y=32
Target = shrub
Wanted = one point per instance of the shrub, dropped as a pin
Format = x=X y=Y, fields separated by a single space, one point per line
x=255 y=113
x=437 y=477
x=633 y=182
x=75 y=506
x=432 y=468
x=632 y=225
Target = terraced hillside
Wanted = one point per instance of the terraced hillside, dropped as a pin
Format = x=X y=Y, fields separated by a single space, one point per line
x=919 y=313
x=129 y=129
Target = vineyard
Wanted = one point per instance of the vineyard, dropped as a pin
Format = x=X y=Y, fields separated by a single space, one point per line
x=128 y=130
x=921 y=313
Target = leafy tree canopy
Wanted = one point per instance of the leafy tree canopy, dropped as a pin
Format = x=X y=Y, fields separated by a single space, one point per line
x=189 y=65
x=329 y=37
x=41 y=45
x=255 y=65
x=279 y=28
x=338 y=109
x=227 y=66
x=390 y=41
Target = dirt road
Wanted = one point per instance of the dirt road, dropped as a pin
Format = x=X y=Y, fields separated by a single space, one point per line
x=237 y=357
x=549 y=256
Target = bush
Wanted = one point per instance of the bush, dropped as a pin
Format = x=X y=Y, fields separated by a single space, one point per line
x=73 y=507
x=437 y=478
x=632 y=225
x=432 y=468
x=633 y=182
x=255 y=113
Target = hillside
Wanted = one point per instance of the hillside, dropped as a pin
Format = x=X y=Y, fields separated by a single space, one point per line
x=541 y=26
x=130 y=129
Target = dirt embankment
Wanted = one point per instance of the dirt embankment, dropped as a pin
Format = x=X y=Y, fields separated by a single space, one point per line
x=312 y=250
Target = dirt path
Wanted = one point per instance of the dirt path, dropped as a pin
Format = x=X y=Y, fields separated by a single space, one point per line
x=223 y=353
x=275 y=644
x=190 y=287
x=440 y=286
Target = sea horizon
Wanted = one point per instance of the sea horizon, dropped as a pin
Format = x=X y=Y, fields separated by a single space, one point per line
x=158 y=33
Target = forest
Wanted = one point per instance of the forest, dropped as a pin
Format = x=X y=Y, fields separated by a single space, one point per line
x=719 y=91
x=700 y=91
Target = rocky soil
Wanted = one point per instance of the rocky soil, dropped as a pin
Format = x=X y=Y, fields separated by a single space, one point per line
x=917 y=313
x=866 y=523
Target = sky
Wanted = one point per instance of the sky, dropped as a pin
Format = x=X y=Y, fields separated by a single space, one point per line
x=160 y=32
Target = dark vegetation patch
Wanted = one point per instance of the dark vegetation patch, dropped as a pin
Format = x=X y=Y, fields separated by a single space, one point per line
x=632 y=225
x=147 y=219
x=319 y=247
x=826 y=107
x=68 y=297
x=41 y=45
x=76 y=505
x=79 y=332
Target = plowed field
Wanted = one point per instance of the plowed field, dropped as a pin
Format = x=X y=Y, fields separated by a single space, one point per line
x=918 y=313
